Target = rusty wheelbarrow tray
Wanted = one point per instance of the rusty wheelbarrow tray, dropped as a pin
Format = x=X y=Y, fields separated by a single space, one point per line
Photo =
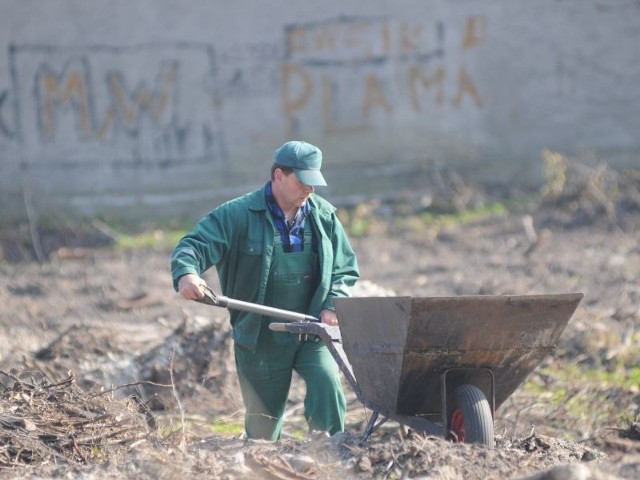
x=441 y=365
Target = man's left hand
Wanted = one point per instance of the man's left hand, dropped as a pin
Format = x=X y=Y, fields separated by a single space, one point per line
x=329 y=317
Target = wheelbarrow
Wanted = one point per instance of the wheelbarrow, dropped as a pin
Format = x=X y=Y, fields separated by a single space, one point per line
x=438 y=365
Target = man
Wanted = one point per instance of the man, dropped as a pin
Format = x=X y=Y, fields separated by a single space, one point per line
x=281 y=246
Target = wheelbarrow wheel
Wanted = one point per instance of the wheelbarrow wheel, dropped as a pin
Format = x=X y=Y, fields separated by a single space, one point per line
x=471 y=420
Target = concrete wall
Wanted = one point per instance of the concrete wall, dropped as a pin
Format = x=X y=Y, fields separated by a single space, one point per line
x=161 y=107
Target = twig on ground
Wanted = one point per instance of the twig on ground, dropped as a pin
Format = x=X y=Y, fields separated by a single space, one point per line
x=141 y=382
x=47 y=352
x=534 y=238
x=16 y=379
x=33 y=224
x=106 y=230
x=183 y=442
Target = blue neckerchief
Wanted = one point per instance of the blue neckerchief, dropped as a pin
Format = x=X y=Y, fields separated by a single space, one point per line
x=292 y=236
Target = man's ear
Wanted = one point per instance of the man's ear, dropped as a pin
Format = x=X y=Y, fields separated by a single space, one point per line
x=279 y=174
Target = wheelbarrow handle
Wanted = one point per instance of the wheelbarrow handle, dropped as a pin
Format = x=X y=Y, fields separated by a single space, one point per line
x=211 y=298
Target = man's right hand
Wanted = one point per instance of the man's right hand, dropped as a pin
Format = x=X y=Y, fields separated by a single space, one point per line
x=191 y=286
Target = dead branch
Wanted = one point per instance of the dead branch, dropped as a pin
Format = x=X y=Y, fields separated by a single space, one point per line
x=134 y=384
x=33 y=224
x=57 y=422
x=183 y=441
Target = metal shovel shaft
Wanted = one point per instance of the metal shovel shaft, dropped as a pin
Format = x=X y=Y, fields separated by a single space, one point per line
x=212 y=298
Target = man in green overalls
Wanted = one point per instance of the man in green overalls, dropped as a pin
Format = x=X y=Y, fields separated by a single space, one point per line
x=281 y=246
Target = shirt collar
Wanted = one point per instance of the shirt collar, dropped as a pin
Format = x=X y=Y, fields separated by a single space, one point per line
x=277 y=212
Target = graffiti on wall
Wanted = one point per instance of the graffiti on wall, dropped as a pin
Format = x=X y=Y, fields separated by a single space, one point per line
x=246 y=70
x=356 y=69
x=159 y=104
x=142 y=104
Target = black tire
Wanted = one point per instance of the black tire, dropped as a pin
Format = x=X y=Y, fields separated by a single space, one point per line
x=470 y=419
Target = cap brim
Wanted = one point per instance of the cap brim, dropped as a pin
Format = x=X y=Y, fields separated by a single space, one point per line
x=313 y=178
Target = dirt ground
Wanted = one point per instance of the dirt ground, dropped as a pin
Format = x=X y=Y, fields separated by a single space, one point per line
x=89 y=328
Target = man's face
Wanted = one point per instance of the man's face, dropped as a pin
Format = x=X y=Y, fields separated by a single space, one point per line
x=288 y=190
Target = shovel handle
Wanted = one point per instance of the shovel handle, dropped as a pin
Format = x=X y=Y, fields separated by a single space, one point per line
x=211 y=298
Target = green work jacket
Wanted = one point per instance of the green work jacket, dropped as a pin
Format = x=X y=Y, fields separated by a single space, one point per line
x=238 y=238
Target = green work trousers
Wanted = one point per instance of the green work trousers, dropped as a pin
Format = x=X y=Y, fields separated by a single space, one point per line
x=265 y=379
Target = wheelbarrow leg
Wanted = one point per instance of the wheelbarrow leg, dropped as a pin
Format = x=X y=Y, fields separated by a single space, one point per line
x=372 y=426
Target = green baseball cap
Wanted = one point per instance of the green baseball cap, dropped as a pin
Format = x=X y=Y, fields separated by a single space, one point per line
x=305 y=159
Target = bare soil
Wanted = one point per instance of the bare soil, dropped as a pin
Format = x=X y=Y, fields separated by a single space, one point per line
x=107 y=373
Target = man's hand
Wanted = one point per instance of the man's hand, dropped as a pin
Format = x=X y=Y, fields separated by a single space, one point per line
x=191 y=286
x=329 y=317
